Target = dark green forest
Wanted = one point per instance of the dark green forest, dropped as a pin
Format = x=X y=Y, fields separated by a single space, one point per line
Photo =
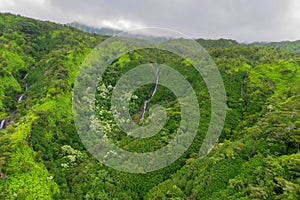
x=42 y=157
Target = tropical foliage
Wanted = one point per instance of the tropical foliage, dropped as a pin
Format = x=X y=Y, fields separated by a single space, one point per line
x=42 y=156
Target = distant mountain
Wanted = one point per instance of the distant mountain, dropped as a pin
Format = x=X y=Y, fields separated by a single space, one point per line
x=209 y=43
x=111 y=32
x=89 y=29
x=206 y=43
x=290 y=46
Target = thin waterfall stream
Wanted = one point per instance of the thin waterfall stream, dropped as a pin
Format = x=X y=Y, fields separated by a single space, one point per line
x=153 y=92
x=2 y=124
x=19 y=98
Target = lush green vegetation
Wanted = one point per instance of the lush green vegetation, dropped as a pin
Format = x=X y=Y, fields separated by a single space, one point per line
x=293 y=47
x=42 y=157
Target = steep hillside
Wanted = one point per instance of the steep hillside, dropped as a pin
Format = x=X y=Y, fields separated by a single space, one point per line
x=42 y=156
x=33 y=65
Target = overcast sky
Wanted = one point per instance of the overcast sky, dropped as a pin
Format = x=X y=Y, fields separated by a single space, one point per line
x=242 y=20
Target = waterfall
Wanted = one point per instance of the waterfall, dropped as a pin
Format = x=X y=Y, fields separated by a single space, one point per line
x=156 y=83
x=26 y=87
x=243 y=88
x=25 y=76
x=20 y=98
x=154 y=90
x=2 y=124
x=144 y=108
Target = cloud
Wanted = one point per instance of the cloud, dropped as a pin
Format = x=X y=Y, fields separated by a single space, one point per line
x=243 y=20
x=120 y=24
x=7 y=4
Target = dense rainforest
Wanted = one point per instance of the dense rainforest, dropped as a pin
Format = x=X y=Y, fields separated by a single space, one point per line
x=42 y=157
